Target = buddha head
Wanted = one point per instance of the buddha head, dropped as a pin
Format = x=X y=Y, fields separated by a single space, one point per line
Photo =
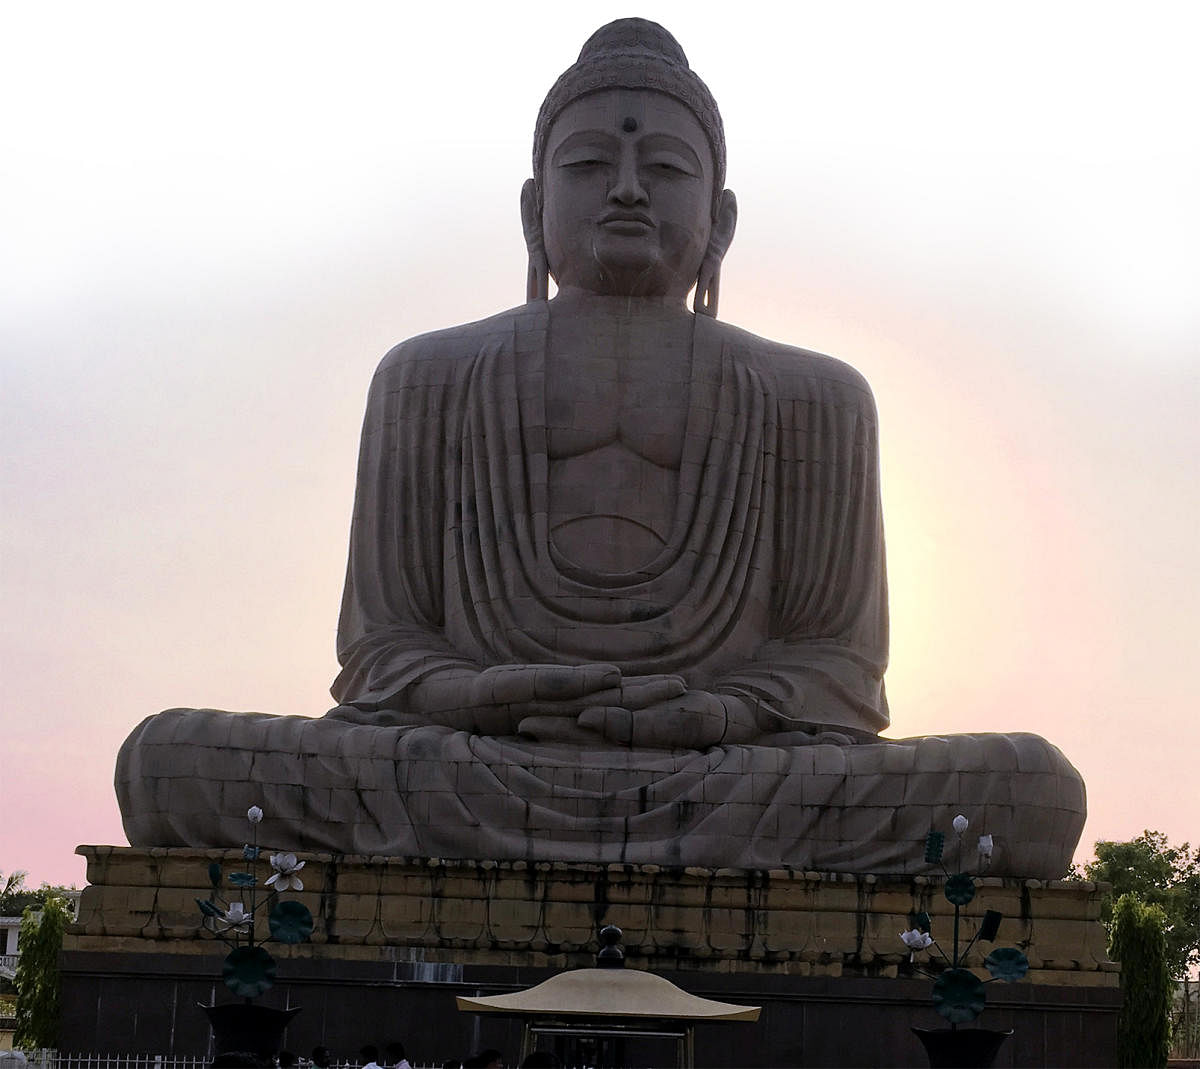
x=628 y=195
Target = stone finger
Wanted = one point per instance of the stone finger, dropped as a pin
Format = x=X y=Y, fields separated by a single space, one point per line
x=639 y=692
x=614 y=722
x=573 y=681
x=555 y=729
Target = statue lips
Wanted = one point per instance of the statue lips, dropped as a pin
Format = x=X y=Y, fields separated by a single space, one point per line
x=632 y=224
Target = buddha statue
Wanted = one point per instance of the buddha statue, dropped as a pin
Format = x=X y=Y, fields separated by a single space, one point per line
x=616 y=587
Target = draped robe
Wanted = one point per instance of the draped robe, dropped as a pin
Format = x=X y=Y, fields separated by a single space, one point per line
x=770 y=585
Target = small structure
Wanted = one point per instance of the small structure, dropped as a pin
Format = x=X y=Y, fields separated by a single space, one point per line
x=610 y=1002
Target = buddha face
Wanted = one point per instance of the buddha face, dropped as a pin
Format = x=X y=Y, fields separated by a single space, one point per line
x=627 y=195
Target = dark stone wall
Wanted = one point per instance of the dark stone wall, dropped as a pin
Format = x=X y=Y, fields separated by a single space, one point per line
x=131 y=1002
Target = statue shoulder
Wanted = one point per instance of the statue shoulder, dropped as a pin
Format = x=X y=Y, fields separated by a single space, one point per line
x=451 y=346
x=798 y=373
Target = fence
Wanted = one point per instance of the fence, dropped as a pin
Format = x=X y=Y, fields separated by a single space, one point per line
x=53 y=1059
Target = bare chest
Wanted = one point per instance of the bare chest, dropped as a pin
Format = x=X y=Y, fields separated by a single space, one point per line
x=636 y=399
x=616 y=413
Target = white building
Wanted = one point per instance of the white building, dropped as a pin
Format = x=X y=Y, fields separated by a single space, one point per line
x=9 y=929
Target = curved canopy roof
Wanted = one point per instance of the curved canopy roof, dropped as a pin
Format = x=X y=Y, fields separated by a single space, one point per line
x=609 y=993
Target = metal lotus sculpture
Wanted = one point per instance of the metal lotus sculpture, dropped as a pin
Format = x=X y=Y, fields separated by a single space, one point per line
x=958 y=994
x=249 y=969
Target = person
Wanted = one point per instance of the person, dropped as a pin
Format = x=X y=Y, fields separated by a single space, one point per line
x=285 y=1059
x=395 y=1055
x=616 y=588
x=320 y=1057
x=369 y=1055
x=489 y=1058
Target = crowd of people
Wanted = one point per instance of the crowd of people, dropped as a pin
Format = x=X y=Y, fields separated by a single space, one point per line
x=393 y=1056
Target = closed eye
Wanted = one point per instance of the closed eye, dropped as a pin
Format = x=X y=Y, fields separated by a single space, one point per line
x=671 y=166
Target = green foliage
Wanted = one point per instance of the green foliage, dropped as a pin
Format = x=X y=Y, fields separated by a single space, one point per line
x=16 y=896
x=1138 y=942
x=1161 y=875
x=37 y=978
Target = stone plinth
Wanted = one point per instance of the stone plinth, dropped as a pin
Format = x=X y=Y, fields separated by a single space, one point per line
x=396 y=938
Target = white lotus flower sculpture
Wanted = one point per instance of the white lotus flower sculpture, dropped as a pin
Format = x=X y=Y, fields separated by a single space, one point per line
x=915 y=939
x=284 y=878
x=237 y=917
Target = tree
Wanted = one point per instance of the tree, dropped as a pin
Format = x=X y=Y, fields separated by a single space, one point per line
x=1158 y=874
x=1139 y=943
x=16 y=896
x=37 y=978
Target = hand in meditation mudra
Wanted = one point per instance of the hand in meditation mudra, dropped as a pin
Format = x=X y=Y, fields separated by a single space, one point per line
x=616 y=588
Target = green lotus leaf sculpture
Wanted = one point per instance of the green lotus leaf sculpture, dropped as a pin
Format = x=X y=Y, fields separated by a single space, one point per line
x=1007 y=964
x=960 y=889
x=935 y=842
x=958 y=995
x=248 y=971
x=290 y=922
x=209 y=909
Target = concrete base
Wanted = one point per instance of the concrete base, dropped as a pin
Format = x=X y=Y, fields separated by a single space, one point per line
x=397 y=939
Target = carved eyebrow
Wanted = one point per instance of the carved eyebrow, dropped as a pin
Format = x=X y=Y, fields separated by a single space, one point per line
x=596 y=139
x=669 y=143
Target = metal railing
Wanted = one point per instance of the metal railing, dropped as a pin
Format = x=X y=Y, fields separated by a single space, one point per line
x=54 y=1059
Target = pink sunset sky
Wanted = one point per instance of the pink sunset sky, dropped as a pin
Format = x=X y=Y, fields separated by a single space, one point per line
x=216 y=219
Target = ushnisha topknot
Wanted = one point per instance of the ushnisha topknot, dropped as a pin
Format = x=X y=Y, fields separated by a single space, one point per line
x=633 y=54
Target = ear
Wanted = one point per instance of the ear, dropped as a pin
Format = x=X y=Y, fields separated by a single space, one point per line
x=708 y=284
x=537 y=280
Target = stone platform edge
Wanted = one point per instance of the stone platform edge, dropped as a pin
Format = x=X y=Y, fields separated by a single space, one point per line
x=546 y=914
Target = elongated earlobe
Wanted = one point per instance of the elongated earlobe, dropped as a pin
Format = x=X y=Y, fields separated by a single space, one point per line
x=537 y=279
x=708 y=284
x=708 y=290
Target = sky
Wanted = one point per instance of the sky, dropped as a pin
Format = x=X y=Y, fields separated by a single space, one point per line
x=215 y=219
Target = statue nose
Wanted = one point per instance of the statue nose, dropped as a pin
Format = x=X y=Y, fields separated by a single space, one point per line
x=627 y=187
